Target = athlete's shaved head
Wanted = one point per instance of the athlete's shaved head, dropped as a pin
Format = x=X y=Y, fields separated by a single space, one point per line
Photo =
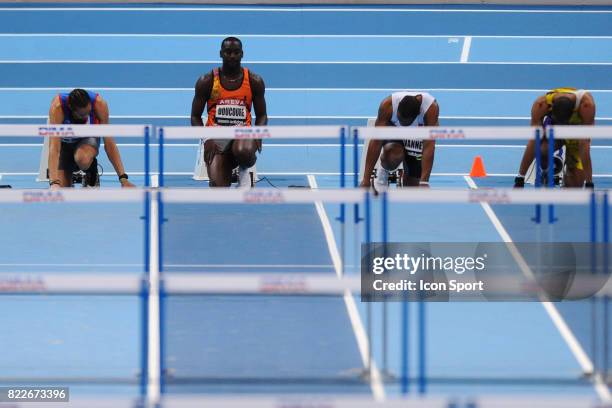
x=231 y=54
x=230 y=40
x=408 y=110
x=562 y=110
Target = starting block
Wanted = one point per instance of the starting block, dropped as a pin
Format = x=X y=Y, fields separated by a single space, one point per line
x=559 y=163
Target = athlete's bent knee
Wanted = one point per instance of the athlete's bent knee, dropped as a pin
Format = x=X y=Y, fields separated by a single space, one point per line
x=245 y=154
x=84 y=159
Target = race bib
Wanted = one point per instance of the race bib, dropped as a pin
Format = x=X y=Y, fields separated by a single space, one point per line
x=413 y=147
x=231 y=112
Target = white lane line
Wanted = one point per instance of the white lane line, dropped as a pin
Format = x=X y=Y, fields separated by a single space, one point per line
x=301 y=36
x=305 y=10
x=154 y=346
x=376 y=383
x=581 y=356
x=329 y=233
x=307 y=62
x=465 y=51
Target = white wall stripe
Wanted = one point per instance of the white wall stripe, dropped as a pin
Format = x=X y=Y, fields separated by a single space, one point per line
x=145 y=89
x=299 y=36
x=306 y=62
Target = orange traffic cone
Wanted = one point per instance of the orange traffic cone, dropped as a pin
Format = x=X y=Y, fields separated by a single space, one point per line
x=478 y=169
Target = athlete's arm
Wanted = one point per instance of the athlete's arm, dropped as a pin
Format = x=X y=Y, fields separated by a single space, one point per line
x=385 y=112
x=429 y=146
x=587 y=113
x=110 y=147
x=203 y=88
x=538 y=110
x=259 y=101
x=56 y=117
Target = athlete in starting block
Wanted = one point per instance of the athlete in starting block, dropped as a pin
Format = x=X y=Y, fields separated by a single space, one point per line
x=71 y=157
x=562 y=106
x=228 y=93
x=416 y=156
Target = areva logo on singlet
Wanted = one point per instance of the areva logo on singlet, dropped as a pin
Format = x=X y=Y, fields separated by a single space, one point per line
x=231 y=112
